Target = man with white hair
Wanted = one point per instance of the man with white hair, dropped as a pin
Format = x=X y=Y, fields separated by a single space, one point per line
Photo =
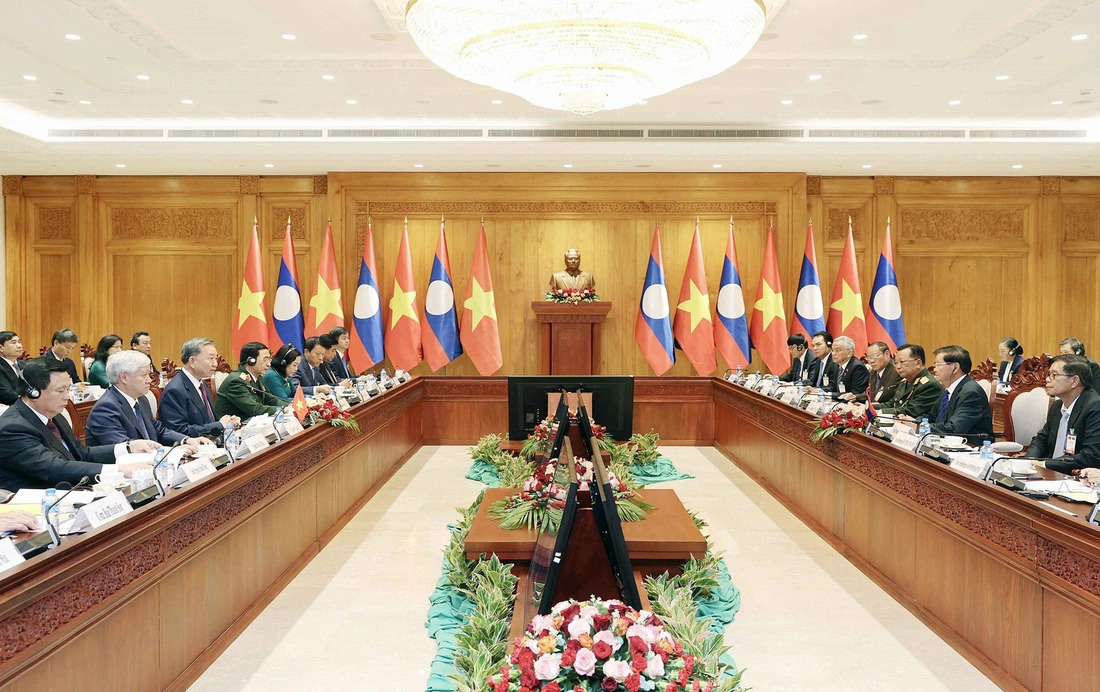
x=851 y=375
x=123 y=413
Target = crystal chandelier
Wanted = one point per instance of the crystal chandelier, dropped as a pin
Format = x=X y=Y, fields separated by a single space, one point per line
x=585 y=56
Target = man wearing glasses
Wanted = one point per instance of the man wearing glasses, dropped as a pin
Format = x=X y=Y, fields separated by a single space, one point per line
x=964 y=407
x=884 y=378
x=1070 y=440
x=918 y=396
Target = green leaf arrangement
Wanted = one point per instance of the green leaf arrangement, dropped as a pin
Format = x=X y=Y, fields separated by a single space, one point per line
x=487 y=446
x=644 y=447
x=481 y=643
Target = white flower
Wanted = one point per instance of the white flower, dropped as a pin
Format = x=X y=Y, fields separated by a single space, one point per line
x=548 y=666
x=617 y=669
x=580 y=626
x=588 y=611
x=655 y=666
x=646 y=634
x=542 y=622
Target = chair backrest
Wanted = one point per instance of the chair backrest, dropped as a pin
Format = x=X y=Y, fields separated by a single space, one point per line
x=1027 y=413
x=153 y=401
x=989 y=388
x=75 y=420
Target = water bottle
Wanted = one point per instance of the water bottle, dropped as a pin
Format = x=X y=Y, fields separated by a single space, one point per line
x=49 y=499
x=227 y=440
x=924 y=427
x=280 y=419
x=163 y=381
x=739 y=376
x=74 y=394
x=987 y=450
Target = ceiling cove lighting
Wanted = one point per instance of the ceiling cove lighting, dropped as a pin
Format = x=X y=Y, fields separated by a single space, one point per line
x=585 y=56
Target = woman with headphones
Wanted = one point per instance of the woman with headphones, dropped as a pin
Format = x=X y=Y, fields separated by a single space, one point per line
x=1012 y=356
x=279 y=380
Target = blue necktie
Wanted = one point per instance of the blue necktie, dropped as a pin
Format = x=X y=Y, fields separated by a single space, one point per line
x=943 y=407
x=1060 y=441
x=141 y=423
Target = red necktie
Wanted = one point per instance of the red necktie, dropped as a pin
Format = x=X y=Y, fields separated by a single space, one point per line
x=205 y=400
x=56 y=432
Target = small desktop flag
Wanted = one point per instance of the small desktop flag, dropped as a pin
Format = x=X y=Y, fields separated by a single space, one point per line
x=366 y=349
x=252 y=322
x=652 y=328
x=884 y=320
x=731 y=329
x=692 y=324
x=326 y=309
x=768 y=327
x=403 y=322
x=286 y=315
x=479 y=333
x=846 y=310
x=298 y=404
x=441 y=344
x=809 y=308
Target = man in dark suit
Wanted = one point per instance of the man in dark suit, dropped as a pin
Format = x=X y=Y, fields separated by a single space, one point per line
x=1072 y=346
x=143 y=343
x=38 y=448
x=801 y=360
x=339 y=365
x=825 y=371
x=884 y=378
x=11 y=349
x=123 y=412
x=62 y=344
x=310 y=375
x=243 y=393
x=331 y=370
x=1070 y=440
x=851 y=374
x=186 y=405
x=919 y=394
x=964 y=407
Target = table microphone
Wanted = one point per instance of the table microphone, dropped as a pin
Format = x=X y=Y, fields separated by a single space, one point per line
x=257 y=390
x=55 y=531
x=161 y=491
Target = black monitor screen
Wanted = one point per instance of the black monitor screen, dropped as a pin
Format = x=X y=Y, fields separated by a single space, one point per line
x=612 y=401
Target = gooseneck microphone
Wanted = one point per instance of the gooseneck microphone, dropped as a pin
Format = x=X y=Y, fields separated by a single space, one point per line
x=264 y=392
x=161 y=490
x=55 y=531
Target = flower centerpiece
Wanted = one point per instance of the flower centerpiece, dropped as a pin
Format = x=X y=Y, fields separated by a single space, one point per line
x=541 y=439
x=327 y=410
x=597 y=645
x=571 y=295
x=840 y=420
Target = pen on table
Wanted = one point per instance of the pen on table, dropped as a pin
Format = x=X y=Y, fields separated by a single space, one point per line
x=1063 y=511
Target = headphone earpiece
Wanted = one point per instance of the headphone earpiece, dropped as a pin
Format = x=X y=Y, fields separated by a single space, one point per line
x=251 y=360
x=32 y=392
x=1078 y=351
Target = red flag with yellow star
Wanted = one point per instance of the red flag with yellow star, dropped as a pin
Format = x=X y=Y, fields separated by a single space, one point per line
x=692 y=327
x=403 y=345
x=298 y=404
x=768 y=328
x=478 y=328
x=326 y=309
x=251 y=324
x=846 y=310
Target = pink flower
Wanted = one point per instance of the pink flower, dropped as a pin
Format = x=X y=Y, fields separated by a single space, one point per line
x=655 y=667
x=617 y=669
x=547 y=667
x=608 y=637
x=579 y=626
x=540 y=623
x=585 y=665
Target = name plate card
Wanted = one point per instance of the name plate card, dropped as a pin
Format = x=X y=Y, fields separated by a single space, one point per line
x=198 y=469
x=905 y=438
x=9 y=554
x=255 y=443
x=96 y=514
x=371 y=387
x=292 y=426
x=815 y=407
x=789 y=397
x=751 y=381
x=971 y=464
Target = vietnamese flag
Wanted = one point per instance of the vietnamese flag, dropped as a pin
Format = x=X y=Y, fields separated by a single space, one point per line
x=846 y=310
x=478 y=328
x=326 y=310
x=692 y=326
x=298 y=405
x=252 y=324
x=403 y=321
x=768 y=329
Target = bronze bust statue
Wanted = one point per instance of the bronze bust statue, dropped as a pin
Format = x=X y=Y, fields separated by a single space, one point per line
x=572 y=277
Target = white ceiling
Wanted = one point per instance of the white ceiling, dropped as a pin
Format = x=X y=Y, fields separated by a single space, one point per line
x=228 y=58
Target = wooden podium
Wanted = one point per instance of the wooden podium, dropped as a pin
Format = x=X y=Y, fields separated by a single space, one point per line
x=570 y=336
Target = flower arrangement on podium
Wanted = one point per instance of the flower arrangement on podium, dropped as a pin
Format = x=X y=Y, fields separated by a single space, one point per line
x=840 y=420
x=327 y=410
x=598 y=645
x=541 y=439
x=574 y=296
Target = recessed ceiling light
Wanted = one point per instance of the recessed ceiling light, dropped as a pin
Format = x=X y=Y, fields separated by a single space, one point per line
x=786 y=102
x=143 y=77
x=289 y=37
x=954 y=102
x=186 y=102
x=568 y=165
x=1001 y=77
x=496 y=102
x=1057 y=103
x=328 y=77
x=872 y=102
x=120 y=165
x=268 y=101
x=866 y=165
x=57 y=100
x=351 y=102
x=269 y=165
x=716 y=165
x=418 y=165
x=85 y=102
x=859 y=37
x=73 y=37
x=1078 y=37
x=1017 y=165
x=29 y=77
x=815 y=77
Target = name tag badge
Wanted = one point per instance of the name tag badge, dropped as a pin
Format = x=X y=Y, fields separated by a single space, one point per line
x=1071 y=444
x=9 y=554
x=877 y=395
x=843 y=389
x=198 y=469
x=96 y=514
x=825 y=380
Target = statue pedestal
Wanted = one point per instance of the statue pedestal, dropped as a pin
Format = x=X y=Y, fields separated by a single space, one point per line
x=570 y=336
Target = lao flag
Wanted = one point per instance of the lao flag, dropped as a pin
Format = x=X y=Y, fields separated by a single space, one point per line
x=287 y=313
x=652 y=329
x=366 y=349
x=731 y=333
x=846 y=310
x=403 y=322
x=768 y=327
x=809 y=308
x=884 y=320
x=441 y=344
x=692 y=325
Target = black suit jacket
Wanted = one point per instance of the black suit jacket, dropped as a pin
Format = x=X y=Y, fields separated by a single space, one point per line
x=339 y=368
x=854 y=377
x=800 y=372
x=69 y=364
x=1014 y=367
x=31 y=457
x=182 y=409
x=329 y=372
x=309 y=377
x=112 y=420
x=1084 y=421
x=883 y=384
x=968 y=413
x=821 y=370
x=9 y=380
x=1094 y=367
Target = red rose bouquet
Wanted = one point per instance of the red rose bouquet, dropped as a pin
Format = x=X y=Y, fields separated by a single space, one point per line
x=839 y=421
x=328 y=411
x=571 y=295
